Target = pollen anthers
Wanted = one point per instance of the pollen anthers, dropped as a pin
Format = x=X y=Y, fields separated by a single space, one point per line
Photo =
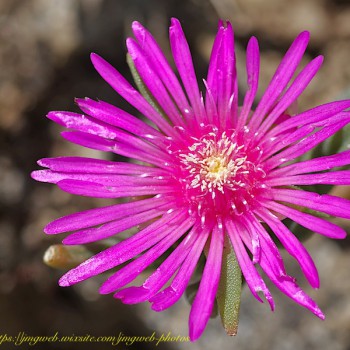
x=215 y=164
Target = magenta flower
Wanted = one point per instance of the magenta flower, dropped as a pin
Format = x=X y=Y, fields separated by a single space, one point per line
x=206 y=170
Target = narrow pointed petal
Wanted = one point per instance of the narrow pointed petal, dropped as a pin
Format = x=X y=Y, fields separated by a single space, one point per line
x=274 y=145
x=159 y=61
x=129 y=272
x=293 y=247
x=126 y=249
x=98 y=166
x=114 y=227
x=250 y=273
x=226 y=76
x=336 y=206
x=213 y=62
x=313 y=115
x=104 y=179
x=333 y=178
x=267 y=244
x=112 y=115
x=162 y=274
x=97 y=216
x=309 y=221
x=204 y=300
x=280 y=80
x=315 y=164
x=253 y=69
x=184 y=64
x=93 y=189
x=291 y=138
x=294 y=91
x=306 y=144
x=291 y=289
x=286 y=283
x=210 y=106
x=153 y=82
x=120 y=85
x=89 y=141
x=172 y=294
x=101 y=144
x=85 y=124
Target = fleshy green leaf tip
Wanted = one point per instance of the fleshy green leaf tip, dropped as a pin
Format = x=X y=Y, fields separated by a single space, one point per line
x=229 y=292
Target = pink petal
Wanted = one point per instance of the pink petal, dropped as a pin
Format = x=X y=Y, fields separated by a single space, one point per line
x=253 y=68
x=172 y=294
x=162 y=274
x=84 y=123
x=98 y=166
x=213 y=62
x=97 y=216
x=294 y=91
x=94 y=127
x=293 y=247
x=129 y=272
x=274 y=145
x=210 y=106
x=280 y=80
x=114 y=227
x=336 y=206
x=311 y=222
x=329 y=178
x=267 y=245
x=306 y=144
x=288 y=286
x=153 y=82
x=92 y=189
x=204 y=301
x=312 y=115
x=120 y=84
x=226 y=76
x=250 y=273
x=117 y=117
x=104 y=179
x=126 y=249
x=101 y=144
x=160 y=63
x=184 y=64
x=315 y=164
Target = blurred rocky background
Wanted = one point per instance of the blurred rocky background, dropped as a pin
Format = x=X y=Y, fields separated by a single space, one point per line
x=44 y=64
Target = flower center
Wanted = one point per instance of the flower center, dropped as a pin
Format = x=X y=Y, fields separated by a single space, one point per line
x=219 y=174
x=213 y=164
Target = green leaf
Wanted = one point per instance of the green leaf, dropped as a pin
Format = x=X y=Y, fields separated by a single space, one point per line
x=230 y=288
